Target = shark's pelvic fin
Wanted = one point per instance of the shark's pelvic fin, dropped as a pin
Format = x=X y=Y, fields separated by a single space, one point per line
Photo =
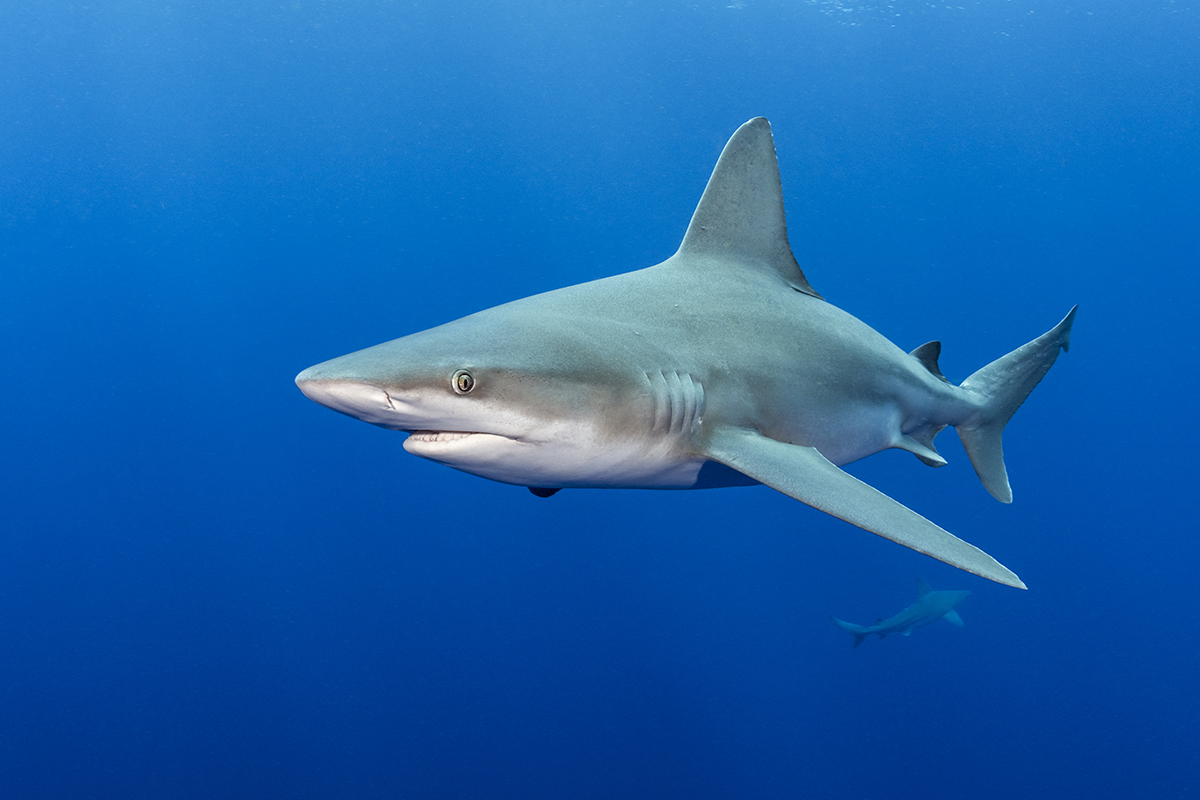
x=740 y=215
x=1000 y=388
x=806 y=475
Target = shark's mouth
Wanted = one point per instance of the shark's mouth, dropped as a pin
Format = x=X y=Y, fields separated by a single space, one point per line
x=439 y=436
x=456 y=448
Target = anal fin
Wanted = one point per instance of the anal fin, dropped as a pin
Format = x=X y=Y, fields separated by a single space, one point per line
x=929 y=457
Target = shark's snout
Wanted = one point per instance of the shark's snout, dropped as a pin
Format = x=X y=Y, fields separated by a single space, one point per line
x=357 y=399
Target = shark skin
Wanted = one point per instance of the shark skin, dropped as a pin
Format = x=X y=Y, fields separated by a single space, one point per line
x=721 y=366
x=929 y=608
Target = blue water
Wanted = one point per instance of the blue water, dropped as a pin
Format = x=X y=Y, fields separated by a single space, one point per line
x=211 y=587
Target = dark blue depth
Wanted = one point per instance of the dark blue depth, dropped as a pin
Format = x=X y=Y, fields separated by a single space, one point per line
x=211 y=587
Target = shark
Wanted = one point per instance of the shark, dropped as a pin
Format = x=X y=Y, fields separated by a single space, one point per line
x=720 y=366
x=929 y=608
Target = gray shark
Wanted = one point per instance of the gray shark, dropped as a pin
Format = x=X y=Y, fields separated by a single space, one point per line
x=929 y=608
x=721 y=366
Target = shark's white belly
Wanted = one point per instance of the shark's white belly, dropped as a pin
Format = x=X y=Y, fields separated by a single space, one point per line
x=563 y=456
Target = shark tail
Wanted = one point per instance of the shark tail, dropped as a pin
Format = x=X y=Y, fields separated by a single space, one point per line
x=1000 y=388
x=857 y=631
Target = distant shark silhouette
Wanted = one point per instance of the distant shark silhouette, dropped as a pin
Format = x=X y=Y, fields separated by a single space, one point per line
x=720 y=366
x=929 y=608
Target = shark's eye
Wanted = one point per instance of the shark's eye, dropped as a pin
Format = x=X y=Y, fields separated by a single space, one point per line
x=463 y=381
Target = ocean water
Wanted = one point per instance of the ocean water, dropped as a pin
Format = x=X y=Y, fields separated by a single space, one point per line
x=211 y=587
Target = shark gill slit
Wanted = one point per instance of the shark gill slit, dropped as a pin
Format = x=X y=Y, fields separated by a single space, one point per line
x=677 y=399
x=675 y=392
x=659 y=401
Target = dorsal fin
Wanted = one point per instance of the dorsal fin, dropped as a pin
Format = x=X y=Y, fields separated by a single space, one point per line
x=740 y=216
x=923 y=588
x=928 y=354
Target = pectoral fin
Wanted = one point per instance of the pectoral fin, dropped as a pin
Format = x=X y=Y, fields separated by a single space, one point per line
x=805 y=474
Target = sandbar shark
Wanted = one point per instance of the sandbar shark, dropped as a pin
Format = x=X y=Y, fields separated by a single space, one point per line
x=721 y=366
x=929 y=608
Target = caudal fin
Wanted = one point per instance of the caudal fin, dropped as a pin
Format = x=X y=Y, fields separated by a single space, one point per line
x=857 y=631
x=1000 y=389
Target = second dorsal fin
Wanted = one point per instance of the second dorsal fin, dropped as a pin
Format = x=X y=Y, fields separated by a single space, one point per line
x=928 y=354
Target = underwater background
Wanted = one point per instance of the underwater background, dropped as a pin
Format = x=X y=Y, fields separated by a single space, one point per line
x=212 y=587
